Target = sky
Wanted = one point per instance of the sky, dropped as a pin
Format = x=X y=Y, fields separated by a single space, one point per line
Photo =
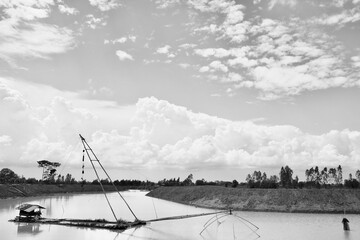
x=165 y=88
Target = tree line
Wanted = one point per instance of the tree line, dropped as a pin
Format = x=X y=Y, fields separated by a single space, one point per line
x=315 y=178
x=8 y=176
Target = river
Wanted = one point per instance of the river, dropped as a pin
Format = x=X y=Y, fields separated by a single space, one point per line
x=274 y=226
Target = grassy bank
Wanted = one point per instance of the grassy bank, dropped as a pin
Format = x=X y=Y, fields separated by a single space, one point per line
x=277 y=200
x=26 y=190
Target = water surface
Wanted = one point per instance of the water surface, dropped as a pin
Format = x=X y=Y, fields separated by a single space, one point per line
x=91 y=206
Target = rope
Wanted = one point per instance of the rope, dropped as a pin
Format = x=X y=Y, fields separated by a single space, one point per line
x=154 y=208
x=243 y=219
x=82 y=171
x=68 y=157
x=183 y=216
x=217 y=219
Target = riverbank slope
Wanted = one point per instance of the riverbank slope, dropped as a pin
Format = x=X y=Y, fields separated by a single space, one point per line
x=276 y=200
x=27 y=190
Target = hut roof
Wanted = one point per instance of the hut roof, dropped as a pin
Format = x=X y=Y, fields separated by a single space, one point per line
x=27 y=207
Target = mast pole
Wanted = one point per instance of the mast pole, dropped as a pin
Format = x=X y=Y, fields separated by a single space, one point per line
x=97 y=175
x=88 y=148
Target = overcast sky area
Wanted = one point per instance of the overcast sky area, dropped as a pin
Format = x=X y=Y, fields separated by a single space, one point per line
x=165 y=88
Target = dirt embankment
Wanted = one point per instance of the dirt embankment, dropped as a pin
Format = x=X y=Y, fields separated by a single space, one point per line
x=277 y=200
x=26 y=190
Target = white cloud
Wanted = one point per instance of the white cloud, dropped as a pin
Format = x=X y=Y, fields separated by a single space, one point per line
x=163 y=50
x=290 y=3
x=22 y=36
x=41 y=122
x=356 y=61
x=94 y=22
x=339 y=19
x=161 y=4
x=243 y=61
x=184 y=65
x=212 y=52
x=36 y=40
x=172 y=136
x=232 y=78
x=26 y=9
x=187 y=45
x=124 y=55
x=204 y=69
x=67 y=10
x=218 y=66
x=121 y=40
x=105 y=5
x=161 y=135
x=132 y=38
x=234 y=15
x=5 y=140
x=281 y=59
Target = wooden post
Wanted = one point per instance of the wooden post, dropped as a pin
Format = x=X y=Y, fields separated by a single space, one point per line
x=345 y=223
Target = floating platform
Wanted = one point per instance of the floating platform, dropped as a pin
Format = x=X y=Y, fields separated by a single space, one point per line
x=88 y=223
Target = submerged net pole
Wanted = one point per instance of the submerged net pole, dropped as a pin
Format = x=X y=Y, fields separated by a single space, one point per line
x=186 y=216
x=87 y=149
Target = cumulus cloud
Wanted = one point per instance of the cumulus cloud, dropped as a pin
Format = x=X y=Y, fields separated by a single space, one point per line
x=284 y=59
x=290 y=3
x=26 y=10
x=63 y=8
x=94 y=22
x=163 y=50
x=5 y=140
x=212 y=52
x=124 y=55
x=47 y=127
x=168 y=135
x=161 y=135
x=339 y=19
x=131 y=38
x=105 y=5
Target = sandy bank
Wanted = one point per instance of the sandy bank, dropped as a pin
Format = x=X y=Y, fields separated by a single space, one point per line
x=277 y=200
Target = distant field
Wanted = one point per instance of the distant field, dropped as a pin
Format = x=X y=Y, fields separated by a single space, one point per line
x=25 y=190
x=278 y=200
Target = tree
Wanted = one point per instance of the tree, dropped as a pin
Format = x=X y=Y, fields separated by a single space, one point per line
x=49 y=169
x=357 y=175
x=200 y=182
x=332 y=176
x=339 y=177
x=264 y=177
x=295 y=182
x=307 y=175
x=8 y=176
x=234 y=183
x=317 y=176
x=286 y=176
x=188 y=181
x=324 y=176
x=68 y=178
x=351 y=182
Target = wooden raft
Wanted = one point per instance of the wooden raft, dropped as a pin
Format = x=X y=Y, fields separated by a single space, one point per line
x=97 y=223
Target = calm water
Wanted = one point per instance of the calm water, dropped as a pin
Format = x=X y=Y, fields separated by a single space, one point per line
x=272 y=225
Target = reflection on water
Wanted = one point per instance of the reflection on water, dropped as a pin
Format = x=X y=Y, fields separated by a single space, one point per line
x=91 y=206
x=28 y=228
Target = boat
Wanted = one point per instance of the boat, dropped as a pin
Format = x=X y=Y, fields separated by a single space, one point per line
x=29 y=212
